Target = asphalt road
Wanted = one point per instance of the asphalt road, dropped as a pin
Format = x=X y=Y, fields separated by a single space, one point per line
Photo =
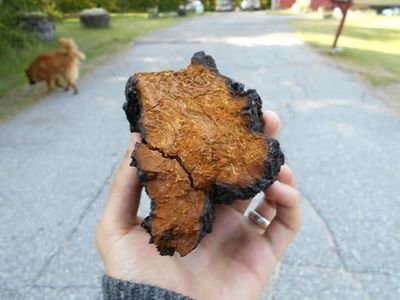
x=57 y=157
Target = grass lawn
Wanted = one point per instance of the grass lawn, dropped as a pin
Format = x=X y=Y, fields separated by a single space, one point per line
x=16 y=94
x=370 y=43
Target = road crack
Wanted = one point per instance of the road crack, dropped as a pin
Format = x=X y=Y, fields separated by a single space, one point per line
x=336 y=248
x=71 y=234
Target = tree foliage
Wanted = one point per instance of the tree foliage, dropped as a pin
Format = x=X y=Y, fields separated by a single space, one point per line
x=52 y=7
x=13 y=37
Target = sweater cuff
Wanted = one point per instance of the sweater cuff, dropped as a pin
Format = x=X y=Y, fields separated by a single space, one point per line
x=115 y=289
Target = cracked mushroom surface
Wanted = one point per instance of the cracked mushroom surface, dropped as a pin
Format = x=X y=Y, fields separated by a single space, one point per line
x=202 y=145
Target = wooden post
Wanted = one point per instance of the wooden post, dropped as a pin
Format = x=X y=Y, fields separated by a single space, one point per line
x=344 y=6
x=340 y=29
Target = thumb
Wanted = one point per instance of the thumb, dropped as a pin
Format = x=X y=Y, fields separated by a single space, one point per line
x=124 y=198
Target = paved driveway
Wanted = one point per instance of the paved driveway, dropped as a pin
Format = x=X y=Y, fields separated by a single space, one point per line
x=57 y=157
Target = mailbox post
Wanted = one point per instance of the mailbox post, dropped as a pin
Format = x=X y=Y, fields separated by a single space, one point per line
x=344 y=6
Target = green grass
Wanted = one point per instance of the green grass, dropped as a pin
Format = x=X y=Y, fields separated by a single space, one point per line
x=97 y=44
x=370 y=43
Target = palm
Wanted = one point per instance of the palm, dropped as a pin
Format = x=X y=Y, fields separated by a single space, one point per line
x=229 y=258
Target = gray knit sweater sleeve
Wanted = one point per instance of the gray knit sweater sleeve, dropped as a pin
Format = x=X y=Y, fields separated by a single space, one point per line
x=115 y=289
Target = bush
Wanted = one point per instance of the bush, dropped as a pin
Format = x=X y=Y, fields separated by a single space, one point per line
x=12 y=36
x=15 y=39
x=169 y=5
x=209 y=5
x=163 y=5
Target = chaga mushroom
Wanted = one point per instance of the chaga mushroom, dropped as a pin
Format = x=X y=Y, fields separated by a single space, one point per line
x=203 y=144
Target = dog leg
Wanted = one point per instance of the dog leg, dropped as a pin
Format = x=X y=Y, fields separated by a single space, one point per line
x=74 y=87
x=58 y=84
x=50 y=84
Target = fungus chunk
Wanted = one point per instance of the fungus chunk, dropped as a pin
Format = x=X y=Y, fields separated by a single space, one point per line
x=203 y=144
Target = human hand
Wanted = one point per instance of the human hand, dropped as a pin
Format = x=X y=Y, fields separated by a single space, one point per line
x=235 y=261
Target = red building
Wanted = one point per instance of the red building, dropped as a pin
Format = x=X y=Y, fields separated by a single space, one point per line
x=315 y=4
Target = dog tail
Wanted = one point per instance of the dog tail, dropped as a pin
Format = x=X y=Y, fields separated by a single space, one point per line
x=81 y=55
x=70 y=46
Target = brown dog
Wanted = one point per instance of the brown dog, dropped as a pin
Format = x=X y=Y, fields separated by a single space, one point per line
x=58 y=67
